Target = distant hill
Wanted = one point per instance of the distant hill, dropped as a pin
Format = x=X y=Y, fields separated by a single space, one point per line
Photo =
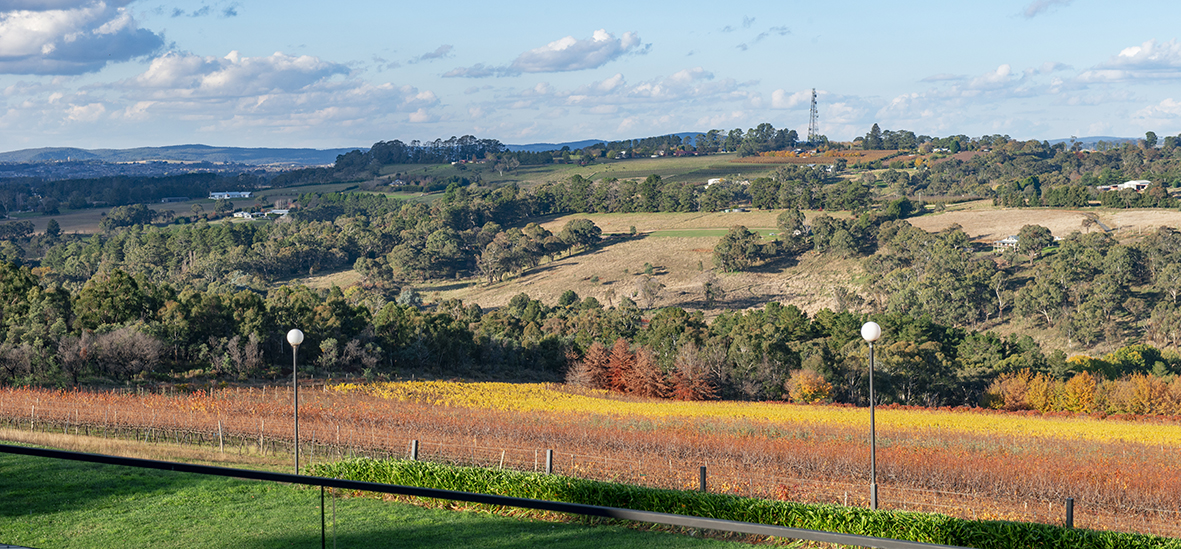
x=574 y=145
x=1089 y=142
x=181 y=153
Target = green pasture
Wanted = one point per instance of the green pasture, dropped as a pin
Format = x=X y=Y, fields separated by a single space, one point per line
x=696 y=169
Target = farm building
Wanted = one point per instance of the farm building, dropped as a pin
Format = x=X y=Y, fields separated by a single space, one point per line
x=1138 y=186
x=220 y=195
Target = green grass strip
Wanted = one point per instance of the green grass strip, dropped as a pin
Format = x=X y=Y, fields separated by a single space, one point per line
x=53 y=504
x=922 y=527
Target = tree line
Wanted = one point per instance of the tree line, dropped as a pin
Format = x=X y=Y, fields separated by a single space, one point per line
x=119 y=328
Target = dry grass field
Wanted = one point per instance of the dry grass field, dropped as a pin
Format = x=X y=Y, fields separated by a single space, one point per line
x=680 y=248
x=680 y=260
x=982 y=220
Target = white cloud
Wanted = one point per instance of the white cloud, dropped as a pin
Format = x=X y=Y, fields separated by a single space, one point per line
x=944 y=77
x=439 y=53
x=721 y=120
x=232 y=76
x=1167 y=110
x=64 y=37
x=1039 y=7
x=274 y=94
x=781 y=99
x=1000 y=78
x=1051 y=67
x=564 y=55
x=569 y=54
x=421 y=116
x=1151 y=60
x=86 y=113
x=475 y=71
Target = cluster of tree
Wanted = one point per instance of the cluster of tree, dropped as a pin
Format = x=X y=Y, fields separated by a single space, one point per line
x=1032 y=173
x=809 y=189
x=1084 y=392
x=876 y=139
x=439 y=151
x=621 y=370
x=648 y=145
x=761 y=138
x=1088 y=287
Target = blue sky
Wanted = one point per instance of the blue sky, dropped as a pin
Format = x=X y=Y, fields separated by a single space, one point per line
x=295 y=73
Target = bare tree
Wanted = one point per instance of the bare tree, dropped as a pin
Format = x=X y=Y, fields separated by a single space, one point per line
x=127 y=352
x=648 y=290
x=15 y=361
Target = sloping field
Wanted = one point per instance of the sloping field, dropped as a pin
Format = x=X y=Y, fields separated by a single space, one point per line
x=987 y=223
x=681 y=261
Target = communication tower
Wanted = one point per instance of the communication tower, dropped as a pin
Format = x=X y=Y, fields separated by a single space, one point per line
x=813 y=117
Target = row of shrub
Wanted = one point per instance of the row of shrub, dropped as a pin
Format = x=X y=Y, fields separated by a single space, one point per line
x=921 y=527
x=1137 y=394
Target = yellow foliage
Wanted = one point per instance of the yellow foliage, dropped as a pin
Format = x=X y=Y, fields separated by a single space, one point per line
x=808 y=387
x=1043 y=394
x=1079 y=394
x=551 y=398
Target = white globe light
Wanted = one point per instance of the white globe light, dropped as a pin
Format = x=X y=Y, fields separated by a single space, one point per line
x=870 y=331
x=295 y=337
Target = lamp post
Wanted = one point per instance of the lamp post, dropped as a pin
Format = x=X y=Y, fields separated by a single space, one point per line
x=295 y=337
x=870 y=332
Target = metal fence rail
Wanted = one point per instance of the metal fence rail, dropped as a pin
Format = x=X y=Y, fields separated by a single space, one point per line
x=555 y=506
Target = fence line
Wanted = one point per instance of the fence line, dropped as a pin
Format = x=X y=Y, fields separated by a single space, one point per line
x=254 y=435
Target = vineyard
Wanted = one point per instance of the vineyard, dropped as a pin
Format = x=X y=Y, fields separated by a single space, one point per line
x=1122 y=474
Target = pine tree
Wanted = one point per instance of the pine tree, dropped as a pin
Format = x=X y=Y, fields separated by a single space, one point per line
x=619 y=366
x=591 y=372
x=647 y=379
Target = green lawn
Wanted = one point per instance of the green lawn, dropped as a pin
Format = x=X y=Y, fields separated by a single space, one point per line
x=47 y=503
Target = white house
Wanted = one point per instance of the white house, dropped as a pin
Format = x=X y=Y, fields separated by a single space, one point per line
x=1006 y=242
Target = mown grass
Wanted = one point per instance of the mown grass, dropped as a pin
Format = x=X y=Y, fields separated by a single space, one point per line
x=50 y=503
x=930 y=528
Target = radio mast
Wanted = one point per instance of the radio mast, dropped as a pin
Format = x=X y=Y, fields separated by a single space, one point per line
x=813 y=117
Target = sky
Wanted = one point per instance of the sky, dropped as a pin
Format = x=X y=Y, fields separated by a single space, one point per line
x=297 y=73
